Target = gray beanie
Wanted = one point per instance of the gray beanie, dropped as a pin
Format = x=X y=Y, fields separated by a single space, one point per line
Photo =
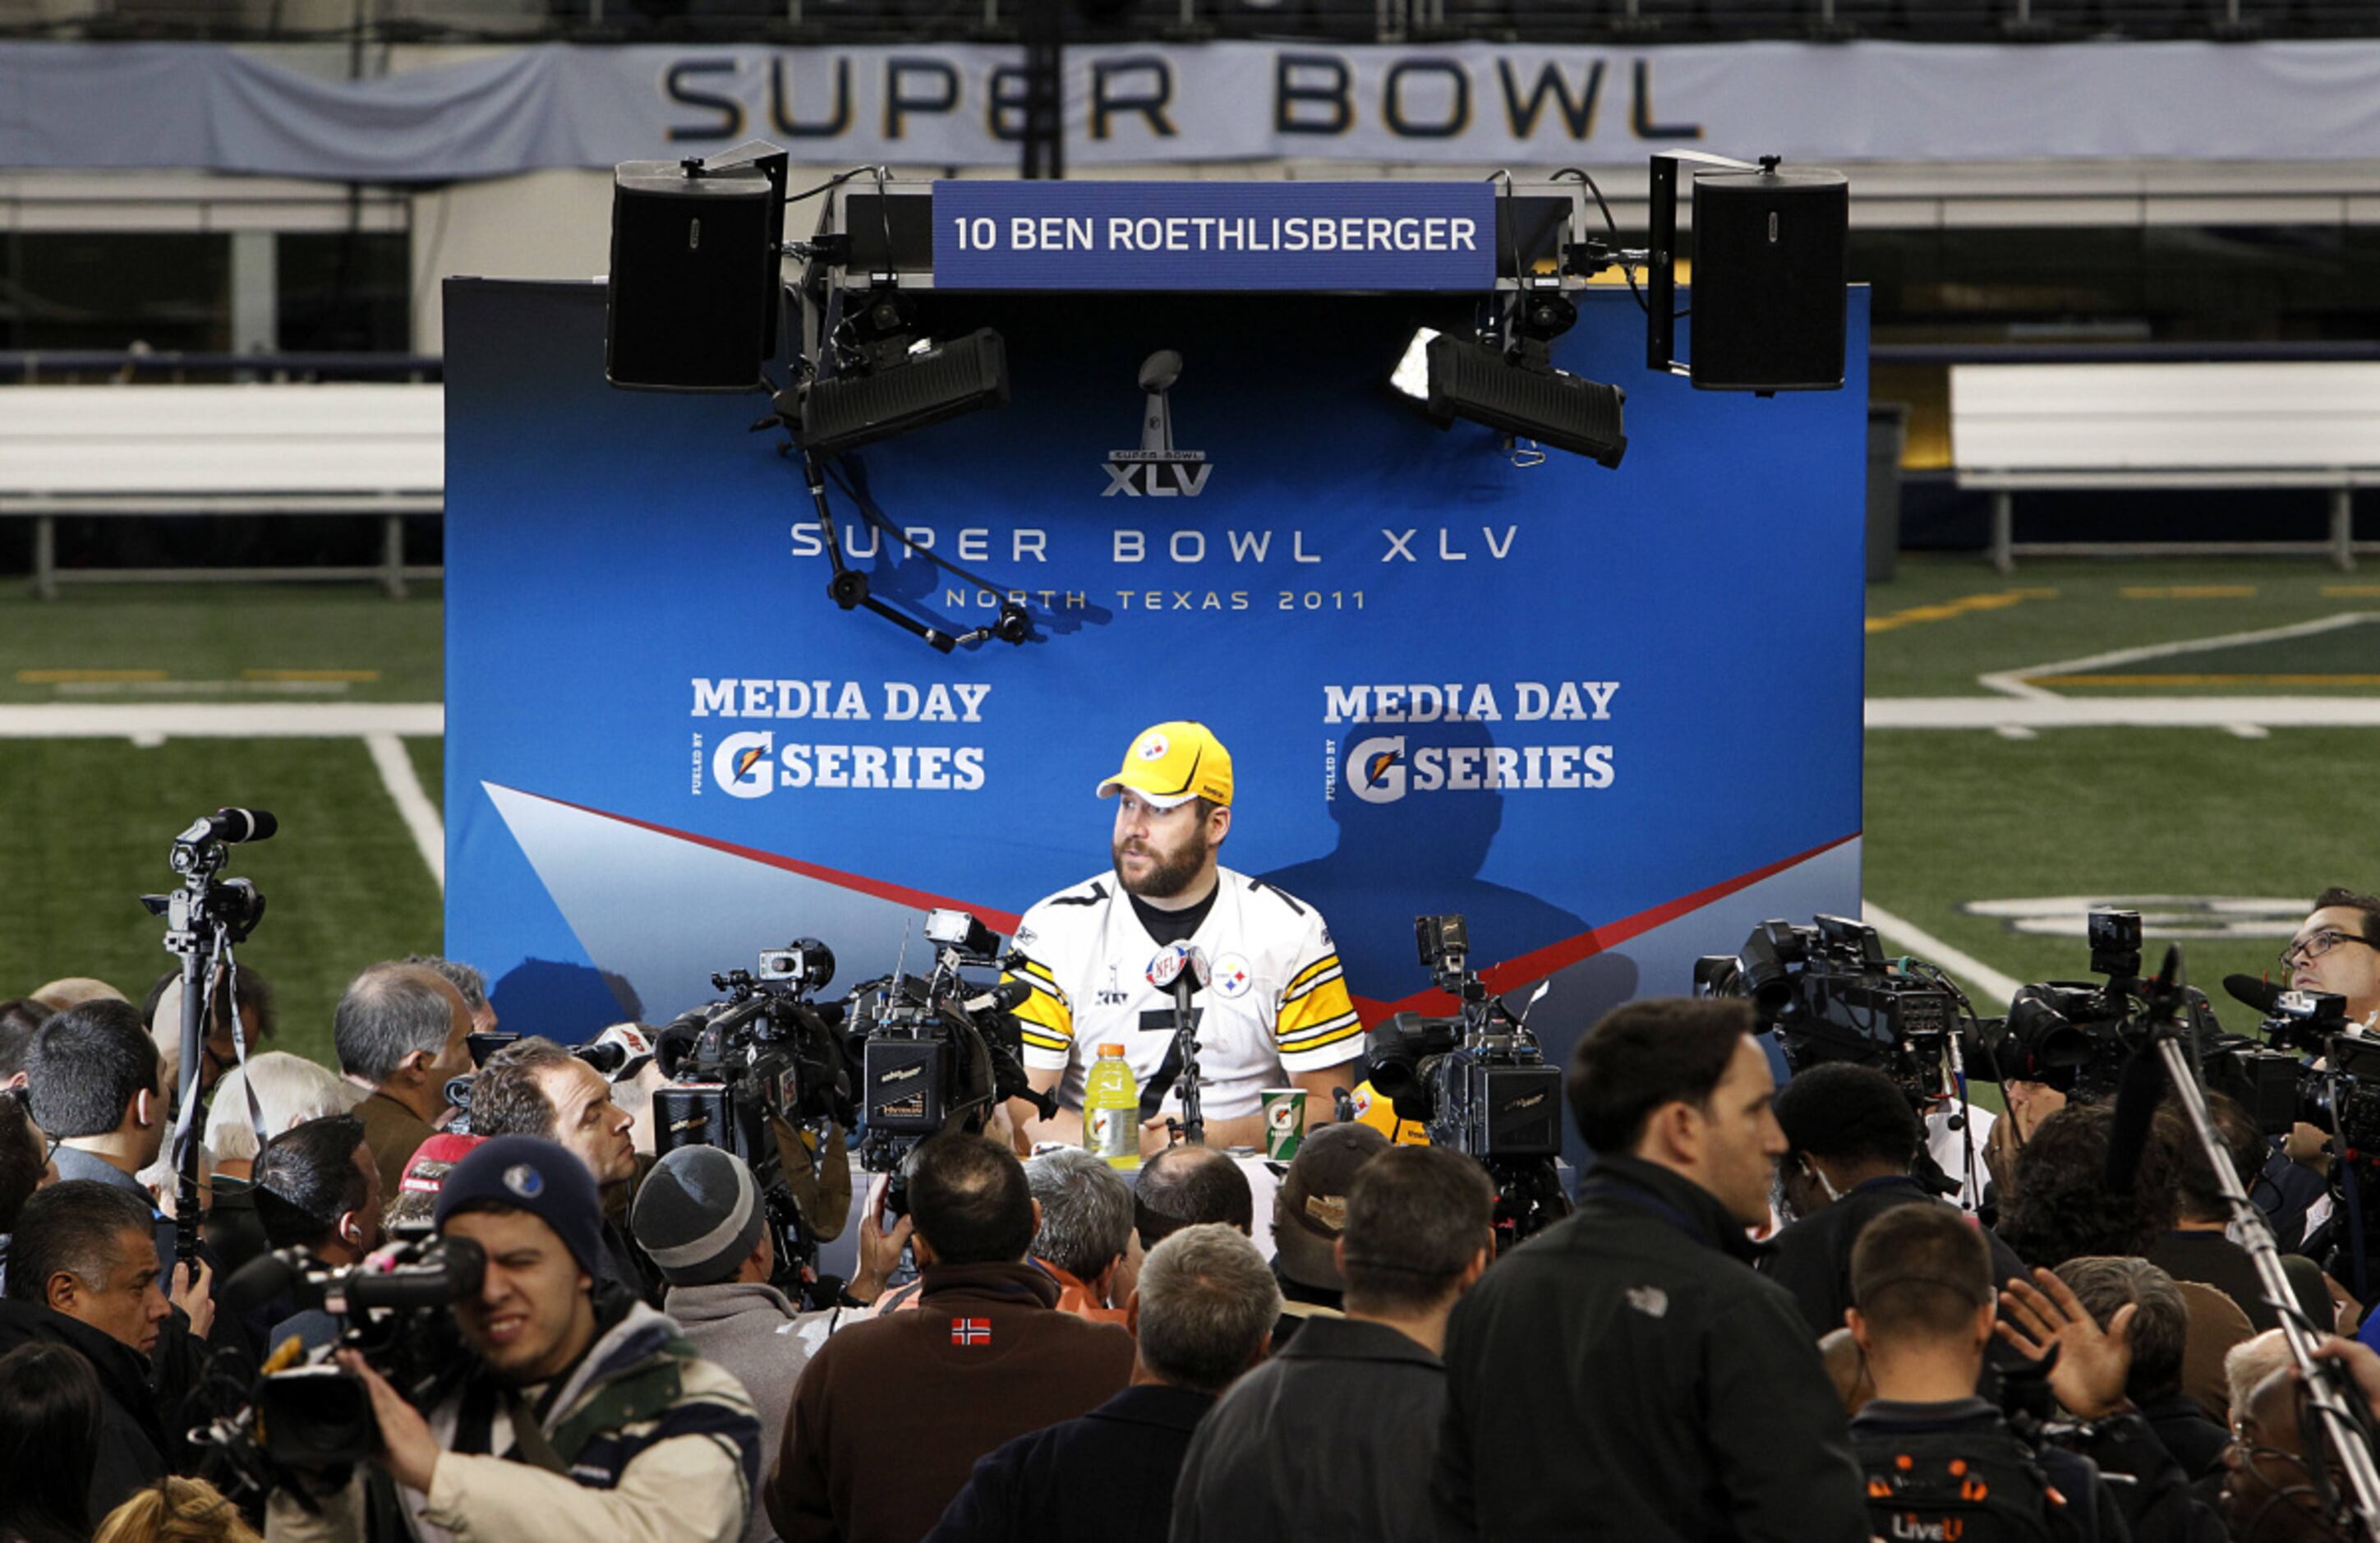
x=697 y=1215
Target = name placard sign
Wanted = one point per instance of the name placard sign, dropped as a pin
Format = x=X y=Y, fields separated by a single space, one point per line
x=1210 y=236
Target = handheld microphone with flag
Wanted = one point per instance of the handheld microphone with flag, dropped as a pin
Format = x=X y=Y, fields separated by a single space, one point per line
x=1181 y=968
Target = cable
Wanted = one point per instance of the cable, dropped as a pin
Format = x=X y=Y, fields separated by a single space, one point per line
x=836 y=181
x=1626 y=269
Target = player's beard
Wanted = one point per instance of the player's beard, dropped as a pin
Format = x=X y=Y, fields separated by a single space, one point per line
x=1172 y=871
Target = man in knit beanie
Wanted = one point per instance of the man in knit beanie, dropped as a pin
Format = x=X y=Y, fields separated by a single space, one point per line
x=582 y=1412
x=704 y=1223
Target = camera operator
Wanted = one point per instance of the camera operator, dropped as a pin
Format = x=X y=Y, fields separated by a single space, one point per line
x=585 y=1414
x=2337 y=950
x=1201 y=1312
x=316 y=1189
x=1851 y=1140
x=402 y=1031
x=1922 y=1279
x=1692 y=1397
x=534 y=1086
x=1276 y=1011
x=891 y=1413
x=83 y=1274
x=703 y=1220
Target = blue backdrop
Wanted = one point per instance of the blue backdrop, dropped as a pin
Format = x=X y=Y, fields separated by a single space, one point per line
x=667 y=749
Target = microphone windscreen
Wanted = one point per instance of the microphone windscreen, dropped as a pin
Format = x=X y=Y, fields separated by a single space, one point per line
x=2259 y=993
x=2137 y=1096
x=1169 y=963
x=1194 y=959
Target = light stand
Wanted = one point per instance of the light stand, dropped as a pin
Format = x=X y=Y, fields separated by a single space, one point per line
x=205 y=918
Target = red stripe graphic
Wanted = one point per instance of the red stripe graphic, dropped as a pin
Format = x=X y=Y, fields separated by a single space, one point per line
x=1540 y=963
x=900 y=895
x=1515 y=972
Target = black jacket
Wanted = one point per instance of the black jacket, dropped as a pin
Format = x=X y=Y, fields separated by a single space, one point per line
x=1102 y=1478
x=1812 y=1258
x=131 y=1439
x=1335 y=1435
x=1624 y=1374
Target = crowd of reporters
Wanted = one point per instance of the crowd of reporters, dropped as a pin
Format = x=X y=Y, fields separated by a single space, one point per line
x=1089 y=1354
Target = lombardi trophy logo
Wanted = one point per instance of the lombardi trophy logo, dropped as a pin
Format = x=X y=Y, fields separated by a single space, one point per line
x=1157 y=470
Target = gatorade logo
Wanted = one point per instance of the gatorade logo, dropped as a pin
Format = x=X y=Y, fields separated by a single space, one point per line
x=1379 y=769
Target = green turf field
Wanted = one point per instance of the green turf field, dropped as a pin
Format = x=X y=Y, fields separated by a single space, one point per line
x=1956 y=817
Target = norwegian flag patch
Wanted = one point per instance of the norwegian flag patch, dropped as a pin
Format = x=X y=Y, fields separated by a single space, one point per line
x=970 y=1330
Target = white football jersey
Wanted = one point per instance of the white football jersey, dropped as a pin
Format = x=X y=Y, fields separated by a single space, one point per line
x=1274 y=1001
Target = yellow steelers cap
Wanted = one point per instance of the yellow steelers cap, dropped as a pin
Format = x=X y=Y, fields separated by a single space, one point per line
x=1174 y=763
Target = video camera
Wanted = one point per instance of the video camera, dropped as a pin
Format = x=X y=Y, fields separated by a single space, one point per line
x=1478 y=1081
x=1828 y=993
x=2076 y=1035
x=391 y=1308
x=751 y=1074
x=939 y=1052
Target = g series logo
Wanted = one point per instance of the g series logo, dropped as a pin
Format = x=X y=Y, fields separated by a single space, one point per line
x=1381 y=771
x=751 y=765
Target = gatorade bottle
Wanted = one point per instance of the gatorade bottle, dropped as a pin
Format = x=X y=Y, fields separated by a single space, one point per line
x=1111 y=1109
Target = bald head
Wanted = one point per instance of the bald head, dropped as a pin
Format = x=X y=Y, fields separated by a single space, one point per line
x=402 y=1024
x=1187 y=1186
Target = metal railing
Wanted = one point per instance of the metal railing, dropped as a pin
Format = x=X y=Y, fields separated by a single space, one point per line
x=375 y=21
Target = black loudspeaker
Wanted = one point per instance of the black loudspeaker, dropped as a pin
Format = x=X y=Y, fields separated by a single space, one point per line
x=694 y=276
x=1771 y=264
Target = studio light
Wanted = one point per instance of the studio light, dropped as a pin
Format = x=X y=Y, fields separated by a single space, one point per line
x=1514 y=387
x=933 y=381
x=890 y=378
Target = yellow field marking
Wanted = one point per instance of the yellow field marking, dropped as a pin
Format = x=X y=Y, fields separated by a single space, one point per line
x=310 y=675
x=2188 y=592
x=63 y=677
x=2351 y=589
x=1965 y=605
x=2204 y=680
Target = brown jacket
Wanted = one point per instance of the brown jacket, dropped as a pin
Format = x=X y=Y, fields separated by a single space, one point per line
x=892 y=1413
x=393 y=1133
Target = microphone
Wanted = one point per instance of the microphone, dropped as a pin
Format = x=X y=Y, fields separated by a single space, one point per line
x=1006 y=996
x=1177 y=964
x=2261 y=995
x=232 y=825
x=619 y=1051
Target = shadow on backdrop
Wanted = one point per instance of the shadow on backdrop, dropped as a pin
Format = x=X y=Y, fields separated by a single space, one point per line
x=567 y=1003
x=1408 y=849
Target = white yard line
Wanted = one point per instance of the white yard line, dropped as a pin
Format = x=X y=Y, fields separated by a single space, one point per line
x=149 y=721
x=2228 y=713
x=1990 y=988
x=404 y=787
x=2015 y=683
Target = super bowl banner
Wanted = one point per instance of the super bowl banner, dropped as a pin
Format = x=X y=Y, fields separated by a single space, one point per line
x=1611 y=717
x=494 y=113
